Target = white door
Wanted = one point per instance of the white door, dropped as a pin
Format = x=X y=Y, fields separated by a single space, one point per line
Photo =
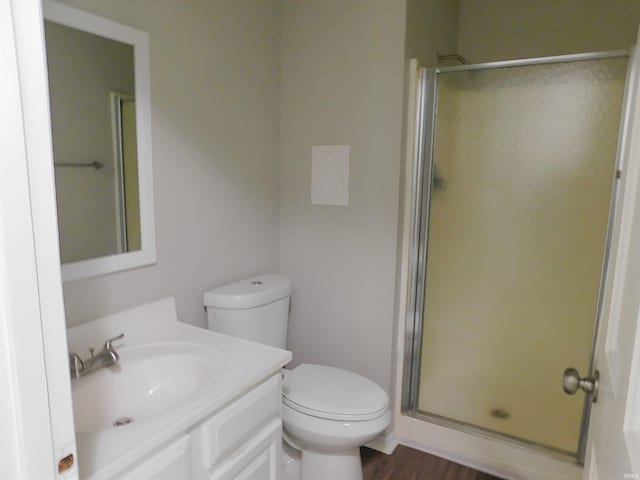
x=613 y=442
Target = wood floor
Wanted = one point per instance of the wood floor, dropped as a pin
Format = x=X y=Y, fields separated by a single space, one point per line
x=409 y=464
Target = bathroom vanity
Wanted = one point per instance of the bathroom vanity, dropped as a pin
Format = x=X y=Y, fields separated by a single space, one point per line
x=181 y=403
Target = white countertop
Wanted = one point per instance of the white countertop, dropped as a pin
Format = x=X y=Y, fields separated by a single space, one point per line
x=105 y=453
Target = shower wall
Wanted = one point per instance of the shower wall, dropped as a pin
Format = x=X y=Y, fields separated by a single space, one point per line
x=516 y=239
x=491 y=30
x=431 y=28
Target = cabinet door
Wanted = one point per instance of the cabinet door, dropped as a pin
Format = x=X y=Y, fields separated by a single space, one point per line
x=262 y=467
x=257 y=459
x=227 y=431
x=170 y=463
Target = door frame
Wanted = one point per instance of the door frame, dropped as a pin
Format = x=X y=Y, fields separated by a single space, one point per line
x=34 y=367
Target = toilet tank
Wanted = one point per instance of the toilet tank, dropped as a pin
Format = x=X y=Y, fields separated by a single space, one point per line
x=256 y=309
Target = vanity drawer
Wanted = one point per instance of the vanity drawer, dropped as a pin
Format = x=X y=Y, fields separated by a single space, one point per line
x=257 y=459
x=233 y=426
x=170 y=463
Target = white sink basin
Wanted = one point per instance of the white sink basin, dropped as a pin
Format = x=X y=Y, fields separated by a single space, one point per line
x=148 y=381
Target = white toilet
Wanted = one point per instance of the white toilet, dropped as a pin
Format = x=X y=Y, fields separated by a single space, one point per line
x=328 y=413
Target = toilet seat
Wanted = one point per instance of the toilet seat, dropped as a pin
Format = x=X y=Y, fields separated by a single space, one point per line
x=333 y=394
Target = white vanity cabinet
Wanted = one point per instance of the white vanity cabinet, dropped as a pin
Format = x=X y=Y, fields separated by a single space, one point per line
x=201 y=405
x=169 y=463
x=241 y=441
x=258 y=459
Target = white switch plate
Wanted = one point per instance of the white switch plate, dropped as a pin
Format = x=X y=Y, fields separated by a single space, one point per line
x=330 y=174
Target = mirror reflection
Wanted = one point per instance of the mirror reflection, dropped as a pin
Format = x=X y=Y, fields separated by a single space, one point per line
x=93 y=116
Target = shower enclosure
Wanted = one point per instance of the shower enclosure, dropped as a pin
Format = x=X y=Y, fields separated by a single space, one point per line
x=517 y=175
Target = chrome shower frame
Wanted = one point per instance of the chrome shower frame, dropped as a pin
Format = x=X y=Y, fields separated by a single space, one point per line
x=423 y=171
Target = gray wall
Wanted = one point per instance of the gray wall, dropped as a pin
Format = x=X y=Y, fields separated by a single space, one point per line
x=221 y=114
x=491 y=30
x=432 y=28
x=342 y=81
x=215 y=91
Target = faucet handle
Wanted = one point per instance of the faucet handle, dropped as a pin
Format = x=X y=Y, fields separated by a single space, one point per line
x=107 y=344
x=76 y=365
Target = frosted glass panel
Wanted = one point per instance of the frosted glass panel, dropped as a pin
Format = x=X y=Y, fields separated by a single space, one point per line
x=525 y=162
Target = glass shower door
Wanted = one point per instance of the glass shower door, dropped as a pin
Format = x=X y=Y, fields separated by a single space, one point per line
x=524 y=159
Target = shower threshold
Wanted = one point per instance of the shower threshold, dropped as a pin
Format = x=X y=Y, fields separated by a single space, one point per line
x=494 y=435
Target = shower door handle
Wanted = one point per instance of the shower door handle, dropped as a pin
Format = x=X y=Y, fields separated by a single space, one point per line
x=571 y=382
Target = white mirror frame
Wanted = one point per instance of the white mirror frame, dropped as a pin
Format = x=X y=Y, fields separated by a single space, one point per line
x=78 y=19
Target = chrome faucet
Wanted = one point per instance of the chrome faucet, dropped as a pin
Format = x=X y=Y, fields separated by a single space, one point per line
x=104 y=358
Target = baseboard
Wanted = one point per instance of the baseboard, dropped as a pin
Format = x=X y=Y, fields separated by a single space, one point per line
x=386 y=442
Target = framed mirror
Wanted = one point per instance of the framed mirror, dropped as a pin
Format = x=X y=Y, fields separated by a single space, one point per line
x=101 y=127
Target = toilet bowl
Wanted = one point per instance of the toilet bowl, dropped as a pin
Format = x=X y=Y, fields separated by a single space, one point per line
x=327 y=413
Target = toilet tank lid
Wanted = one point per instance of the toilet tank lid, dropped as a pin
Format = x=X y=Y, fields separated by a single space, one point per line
x=250 y=293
